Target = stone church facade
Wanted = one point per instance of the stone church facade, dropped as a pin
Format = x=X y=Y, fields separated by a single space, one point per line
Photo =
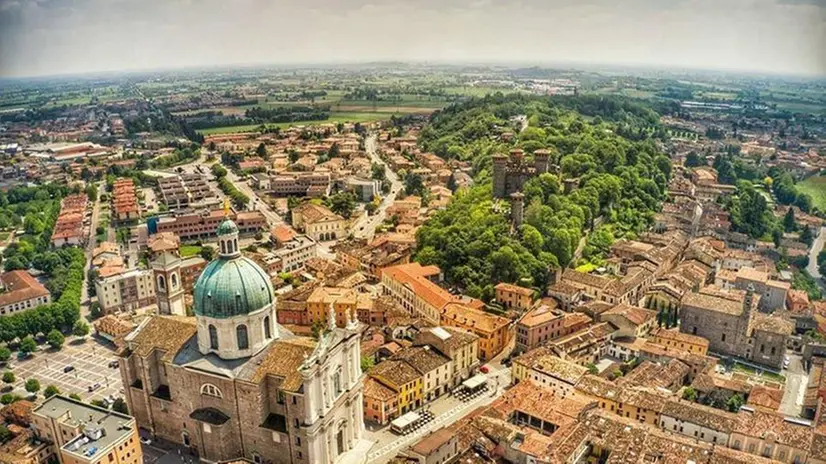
x=231 y=384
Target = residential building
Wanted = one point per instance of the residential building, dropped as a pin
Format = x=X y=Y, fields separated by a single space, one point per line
x=21 y=292
x=631 y=321
x=318 y=222
x=536 y=327
x=371 y=258
x=678 y=340
x=460 y=346
x=86 y=434
x=405 y=381
x=494 y=331
x=126 y=291
x=440 y=447
x=548 y=370
x=414 y=287
x=203 y=225
x=513 y=296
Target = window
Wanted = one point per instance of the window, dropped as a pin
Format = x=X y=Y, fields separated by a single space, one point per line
x=213 y=337
x=211 y=390
x=723 y=338
x=161 y=283
x=174 y=281
x=256 y=458
x=267 y=328
x=241 y=334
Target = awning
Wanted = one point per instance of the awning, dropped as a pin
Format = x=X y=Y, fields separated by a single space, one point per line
x=475 y=382
x=405 y=420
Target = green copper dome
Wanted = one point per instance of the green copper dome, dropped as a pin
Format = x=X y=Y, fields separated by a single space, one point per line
x=231 y=287
x=226 y=228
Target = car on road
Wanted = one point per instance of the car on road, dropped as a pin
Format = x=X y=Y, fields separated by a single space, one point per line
x=68 y=369
x=484 y=369
x=114 y=364
x=146 y=441
x=93 y=387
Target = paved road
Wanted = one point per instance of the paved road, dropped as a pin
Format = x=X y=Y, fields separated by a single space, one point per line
x=90 y=247
x=256 y=203
x=795 y=388
x=365 y=226
x=817 y=245
x=447 y=409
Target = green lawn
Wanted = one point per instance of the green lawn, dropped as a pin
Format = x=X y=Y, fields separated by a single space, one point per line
x=748 y=370
x=189 y=250
x=815 y=186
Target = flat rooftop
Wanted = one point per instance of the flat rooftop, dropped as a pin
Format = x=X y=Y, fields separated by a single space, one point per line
x=100 y=428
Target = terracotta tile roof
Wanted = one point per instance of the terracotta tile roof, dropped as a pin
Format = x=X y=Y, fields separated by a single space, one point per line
x=597 y=386
x=422 y=358
x=415 y=276
x=765 y=397
x=164 y=241
x=634 y=314
x=312 y=213
x=432 y=442
x=283 y=233
x=506 y=287
x=542 y=403
x=557 y=367
x=572 y=276
x=759 y=423
x=538 y=316
x=283 y=358
x=377 y=390
x=713 y=303
x=472 y=318
x=20 y=286
x=773 y=324
x=706 y=416
x=643 y=398
x=113 y=326
x=396 y=372
x=677 y=336
x=165 y=333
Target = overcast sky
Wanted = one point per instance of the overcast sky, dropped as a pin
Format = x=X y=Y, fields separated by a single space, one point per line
x=48 y=37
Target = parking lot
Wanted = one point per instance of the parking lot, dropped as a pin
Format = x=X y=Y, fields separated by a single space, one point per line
x=90 y=360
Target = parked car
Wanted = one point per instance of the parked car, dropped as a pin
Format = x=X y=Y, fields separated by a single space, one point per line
x=93 y=387
x=146 y=441
x=484 y=369
x=114 y=364
x=69 y=368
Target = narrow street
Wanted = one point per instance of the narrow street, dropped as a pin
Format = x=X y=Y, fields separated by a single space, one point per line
x=365 y=226
x=90 y=247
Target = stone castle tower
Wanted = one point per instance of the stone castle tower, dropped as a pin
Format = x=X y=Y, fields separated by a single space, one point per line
x=511 y=172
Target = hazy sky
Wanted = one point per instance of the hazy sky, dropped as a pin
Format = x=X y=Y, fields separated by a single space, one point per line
x=48 y=37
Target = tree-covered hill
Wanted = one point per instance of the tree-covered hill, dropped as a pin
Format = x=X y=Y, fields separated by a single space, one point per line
x=622 y=180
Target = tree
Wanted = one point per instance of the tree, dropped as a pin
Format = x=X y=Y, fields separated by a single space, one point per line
x=378 y=171
x=51 y=391
x=5 y=354
x=293 y=156
x=28 y=345
x=735 y=402
x=99 y=403
x=218 y=171
x=806 y=235
x=56 y=339
x=592 y=368
x=366 y=363
x=262 y=151
x=342 y=203
x=32 y=386
x=94 y=310
x=120 y=406
x=413 y=184
x=9 y=377
x=5 y=435
x=694 y=160
x=9 y=398
x=789 y=223
x=690 y=394
x=74 y=396
x=80 y=329
x=207 y=253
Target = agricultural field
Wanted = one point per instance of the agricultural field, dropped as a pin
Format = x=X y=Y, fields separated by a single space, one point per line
x=815 y=186
x=345 y=117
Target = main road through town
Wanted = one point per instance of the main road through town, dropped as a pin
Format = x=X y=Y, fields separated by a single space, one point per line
x=365 y=226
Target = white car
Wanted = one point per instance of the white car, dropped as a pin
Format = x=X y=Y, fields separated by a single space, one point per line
x=146 y=441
